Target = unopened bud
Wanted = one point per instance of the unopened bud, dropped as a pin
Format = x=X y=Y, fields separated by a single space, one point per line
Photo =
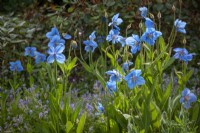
x=73 y=44
x=106 y=14
x=173 y=8
x=128 y=27
x=151 y=16
x=184 y=41
x=140 y=25
x=159 y=15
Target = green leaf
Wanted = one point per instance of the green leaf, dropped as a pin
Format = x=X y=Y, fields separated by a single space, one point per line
x=195 y=112
x=69 y=126
x=71 y=64
x=81 y=123
x=29 y=68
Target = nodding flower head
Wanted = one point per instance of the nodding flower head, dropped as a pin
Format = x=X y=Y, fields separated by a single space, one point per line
x=180 y=26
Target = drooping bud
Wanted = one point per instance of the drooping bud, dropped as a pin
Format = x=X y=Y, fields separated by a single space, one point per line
x=73 y=44
x=184 y=41
x=159 y=15
x=173 y=8
x=151 y=16
x=140 y=25
x=128 y=27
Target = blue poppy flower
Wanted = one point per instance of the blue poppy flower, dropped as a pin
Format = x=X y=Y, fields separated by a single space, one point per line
x=114 y=75
x=100 y=108
x=112 y=86
x=16 y=66
x=54 y=31
x=92 y=36
x=143 y=11
x=91 y=45
x=55 y=53
x=55 y=41
x=66 y=36
x=187 y=98
x=116 y=21
x=133 y=79
x=113 y=36
x=180 y=26
x=150 y=36
x=149 y=23
x=125 y=65
x=39 y=57
x=134 y=42
x=182 y=54
x=30 y=51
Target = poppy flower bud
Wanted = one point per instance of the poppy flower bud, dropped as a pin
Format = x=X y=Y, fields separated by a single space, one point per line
x=159 y=15
x=173 y=8
x=184 y=41
x=151 y=16
x=73 y=44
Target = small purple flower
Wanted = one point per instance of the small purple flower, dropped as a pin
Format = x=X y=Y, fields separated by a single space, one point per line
x=114 y=75
x=143 y=11
x=16 y=66
x=55 y=41
x=101 y=39
x=89 y=107
x=113 y=36
x=39 y=57
x=180 y=26
x=150 y=36
x=134 y=42
x=100 y=108
x=187 y=98
x=133 y=79
x=182 y=54
x=54 y=31
x=116 y=21
x=112 y=86
x=30 y=51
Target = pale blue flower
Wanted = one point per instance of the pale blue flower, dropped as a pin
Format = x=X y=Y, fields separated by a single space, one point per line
x=54 y=31
x=187 y=98
x=122 y=40
x=112 y=86
x=182 y=54
x=125 y=65
x=66 y=36
x=180 y=26
x=143 y=11
x=55 y=41
x=113 y=36
x=114 y=75
x=30 y=51
x=116 y=21
x=134 y=42
x=55 y=53
x=39 y=57
x=150 y=36
x=16 y=66
x=134 y=79
x=91 y=45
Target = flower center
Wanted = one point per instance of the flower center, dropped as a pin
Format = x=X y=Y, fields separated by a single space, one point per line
x=134 y=78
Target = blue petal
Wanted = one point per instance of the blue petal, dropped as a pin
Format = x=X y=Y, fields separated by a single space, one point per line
x=60 y=58
x=50 y=59
x=67 y=36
